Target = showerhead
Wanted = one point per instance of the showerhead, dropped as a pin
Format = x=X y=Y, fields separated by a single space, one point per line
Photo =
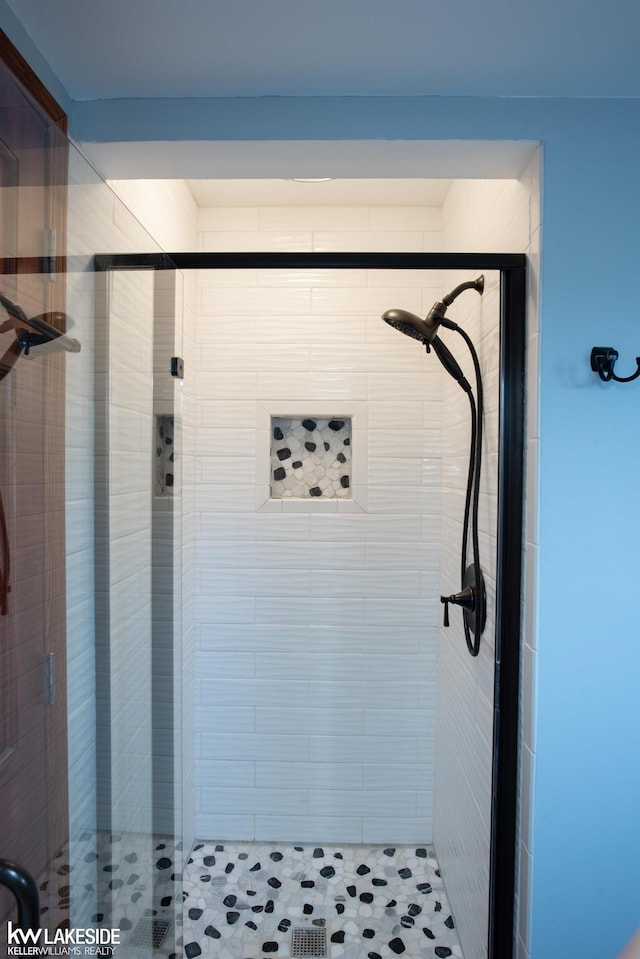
x=426 y=330
x=409 y=324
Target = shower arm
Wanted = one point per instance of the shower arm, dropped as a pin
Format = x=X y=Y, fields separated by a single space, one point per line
x=477 y=284
x=438 y=310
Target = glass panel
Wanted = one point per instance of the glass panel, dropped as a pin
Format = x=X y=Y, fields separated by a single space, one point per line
x=322 y=711
x=33 y=741
x=90 y=577
x=333 y=704
x=123 y=530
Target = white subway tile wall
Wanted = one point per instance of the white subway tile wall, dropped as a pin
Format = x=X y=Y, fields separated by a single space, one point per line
x=531 y=179
x=464 y=715
x=97 y=220
x=130 y=390
x=92 y=223
x=315 y=631
x=184 y=662
x=482 y=216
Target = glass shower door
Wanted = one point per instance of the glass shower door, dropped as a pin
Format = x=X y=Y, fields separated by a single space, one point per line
x=123 y=639
x=33 y=746
x=33 y=740
x=85 y=763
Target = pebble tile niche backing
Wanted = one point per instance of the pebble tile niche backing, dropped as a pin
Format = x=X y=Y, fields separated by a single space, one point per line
x=164 y=456
x=310 y=457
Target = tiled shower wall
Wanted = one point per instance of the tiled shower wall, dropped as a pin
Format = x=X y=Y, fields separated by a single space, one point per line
x=491 y=216
x=296 y=696
x=184 y=652
x=97 y=220
x=462 y=818
x=124 y=399
x=316 y=622
x=167 y=210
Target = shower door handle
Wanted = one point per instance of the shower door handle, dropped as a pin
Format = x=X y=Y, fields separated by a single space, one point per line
x=49 y=684
x=5 y=567
x=25 y=892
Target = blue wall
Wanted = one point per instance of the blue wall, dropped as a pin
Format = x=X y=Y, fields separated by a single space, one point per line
x=586 y=846
x=23 y=42
x=586 y=833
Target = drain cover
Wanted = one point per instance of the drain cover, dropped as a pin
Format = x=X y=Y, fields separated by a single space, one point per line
x=150 y=932
x=308 y=942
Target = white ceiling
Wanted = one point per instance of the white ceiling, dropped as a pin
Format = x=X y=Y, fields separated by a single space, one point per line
x=109 y=49
x=394 y=172
x=338 y=192
x=229 y=48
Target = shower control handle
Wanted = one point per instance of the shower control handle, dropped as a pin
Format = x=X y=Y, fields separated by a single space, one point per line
x=464 y=598
x=445 y=600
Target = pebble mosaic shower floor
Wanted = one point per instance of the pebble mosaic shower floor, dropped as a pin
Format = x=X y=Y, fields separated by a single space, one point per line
x=245 y=900
x=249 y=900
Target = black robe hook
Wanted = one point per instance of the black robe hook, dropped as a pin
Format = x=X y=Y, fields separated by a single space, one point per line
x=603 y=359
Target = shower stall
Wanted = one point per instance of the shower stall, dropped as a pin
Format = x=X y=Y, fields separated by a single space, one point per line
x=231 y=509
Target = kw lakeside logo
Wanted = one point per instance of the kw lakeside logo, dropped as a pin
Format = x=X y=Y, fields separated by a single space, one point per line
x=62 y=942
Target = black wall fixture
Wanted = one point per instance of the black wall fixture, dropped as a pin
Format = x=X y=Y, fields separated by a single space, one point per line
x=603 y=360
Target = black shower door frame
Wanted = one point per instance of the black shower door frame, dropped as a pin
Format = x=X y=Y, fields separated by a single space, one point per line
x=508 y=643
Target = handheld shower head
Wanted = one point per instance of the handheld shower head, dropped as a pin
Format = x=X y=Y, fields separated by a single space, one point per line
x=409 y=324
x=472 y=596
x=426 y=331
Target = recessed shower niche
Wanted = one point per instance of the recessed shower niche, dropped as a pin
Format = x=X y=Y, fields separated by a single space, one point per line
x=310 y=457
x=314 y=458
x=164 y=450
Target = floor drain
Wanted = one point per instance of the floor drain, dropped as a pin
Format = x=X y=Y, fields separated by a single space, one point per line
x=150 y=932
x=308 y=942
